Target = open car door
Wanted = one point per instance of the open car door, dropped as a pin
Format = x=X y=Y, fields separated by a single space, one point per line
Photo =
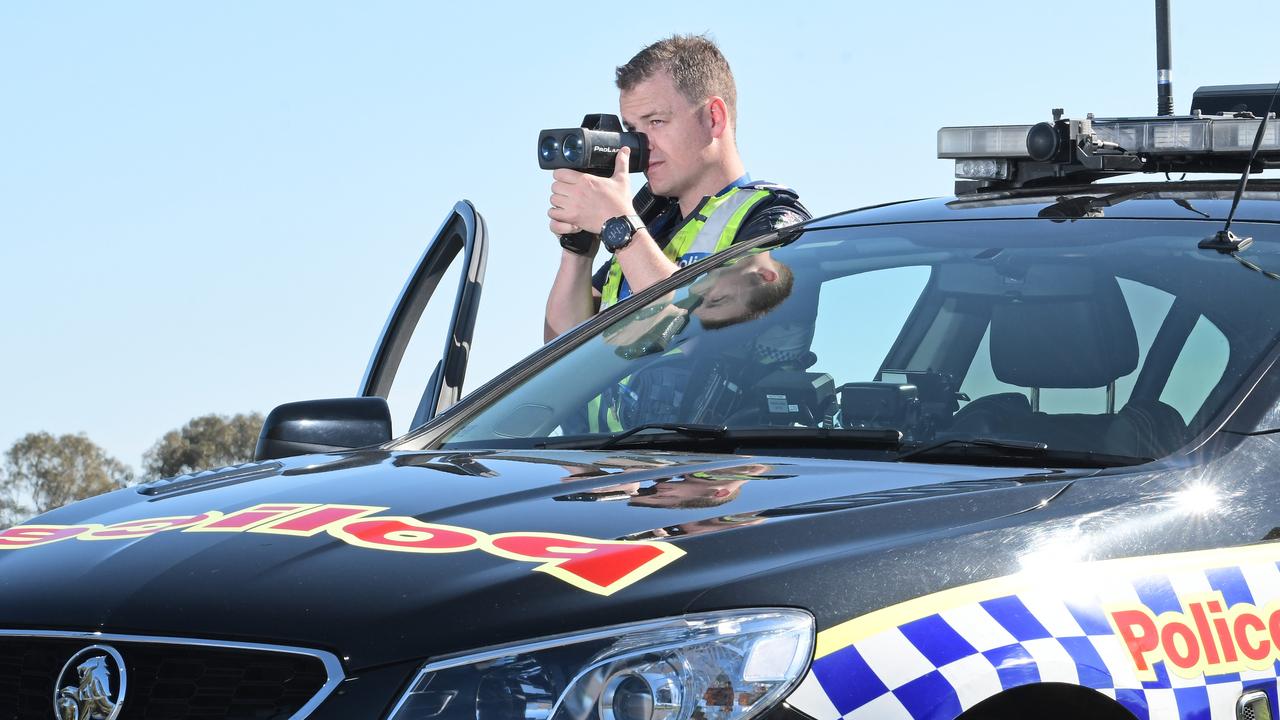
x=420 y=360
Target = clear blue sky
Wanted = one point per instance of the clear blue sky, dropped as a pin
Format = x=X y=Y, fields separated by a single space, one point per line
x=211 y=207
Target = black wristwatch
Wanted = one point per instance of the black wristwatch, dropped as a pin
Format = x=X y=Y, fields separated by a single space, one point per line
x=617 y=232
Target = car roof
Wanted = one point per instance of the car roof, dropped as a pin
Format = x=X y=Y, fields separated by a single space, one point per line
x=1188 y=200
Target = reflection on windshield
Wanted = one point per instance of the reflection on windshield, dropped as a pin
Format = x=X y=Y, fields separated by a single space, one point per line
x=736 y=292
x=1113 y=337
x=743 y=290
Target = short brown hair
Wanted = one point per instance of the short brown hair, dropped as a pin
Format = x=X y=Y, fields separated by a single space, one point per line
x=695 y=64
x=761 y=299
x=769 y=295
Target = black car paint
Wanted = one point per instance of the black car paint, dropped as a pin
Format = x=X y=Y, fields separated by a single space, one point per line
x=289 y=590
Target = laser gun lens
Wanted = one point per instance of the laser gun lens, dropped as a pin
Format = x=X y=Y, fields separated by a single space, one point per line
x=548 y=149
x=573 y=148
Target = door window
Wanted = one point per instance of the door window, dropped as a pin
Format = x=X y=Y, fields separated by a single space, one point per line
x=1198 y=369
x=860 y=316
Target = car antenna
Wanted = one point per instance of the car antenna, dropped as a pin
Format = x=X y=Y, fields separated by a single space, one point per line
x=1225 y=241
x=1164 y=64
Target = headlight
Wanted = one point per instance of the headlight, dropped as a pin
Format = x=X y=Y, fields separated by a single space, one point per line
x=728 y=665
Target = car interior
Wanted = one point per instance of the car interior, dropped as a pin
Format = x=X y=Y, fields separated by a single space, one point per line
x=1125 y=348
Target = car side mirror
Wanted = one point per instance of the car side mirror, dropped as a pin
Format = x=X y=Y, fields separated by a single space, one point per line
x=319 y=426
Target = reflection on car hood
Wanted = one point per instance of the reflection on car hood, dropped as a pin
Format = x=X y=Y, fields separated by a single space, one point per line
x=426 y=553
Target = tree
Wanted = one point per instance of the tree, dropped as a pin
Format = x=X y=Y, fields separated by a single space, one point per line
x=42 y=472
x=208 y=441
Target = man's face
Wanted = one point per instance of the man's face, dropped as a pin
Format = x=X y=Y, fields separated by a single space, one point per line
x=689 y=492
x=726 y=290
x=679 y=134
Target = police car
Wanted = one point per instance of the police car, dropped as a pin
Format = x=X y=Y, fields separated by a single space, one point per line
x=1009 y=453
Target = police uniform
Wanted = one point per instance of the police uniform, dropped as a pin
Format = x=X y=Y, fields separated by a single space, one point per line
x=743 y=209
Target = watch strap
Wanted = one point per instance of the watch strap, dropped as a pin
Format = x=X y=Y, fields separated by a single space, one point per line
x=579 y=243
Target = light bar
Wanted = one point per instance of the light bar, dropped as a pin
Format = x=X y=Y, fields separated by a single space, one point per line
x=982 y=169
x=1012 y=156
x=986 y=141
x=1189 y=135
x=1237 y=136
x=1138 y=136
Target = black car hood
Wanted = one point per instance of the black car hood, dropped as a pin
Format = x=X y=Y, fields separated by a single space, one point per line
x=699 y=520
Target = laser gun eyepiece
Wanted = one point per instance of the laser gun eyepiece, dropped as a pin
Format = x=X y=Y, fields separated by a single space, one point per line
x=592 y=147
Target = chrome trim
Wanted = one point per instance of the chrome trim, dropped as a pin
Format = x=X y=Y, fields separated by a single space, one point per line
x=332 y=667
x=495 y=652
x=59 y=689
x=1250 y=697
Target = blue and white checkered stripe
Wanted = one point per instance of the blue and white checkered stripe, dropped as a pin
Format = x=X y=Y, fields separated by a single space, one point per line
x=938 y=664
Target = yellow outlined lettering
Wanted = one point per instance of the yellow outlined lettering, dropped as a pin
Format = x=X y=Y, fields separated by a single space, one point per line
x=406 y=534
x=25 y=536
x=599 y=566
x=315 y=520
x=1202 y=638
x=242 y=520
x=143 y=528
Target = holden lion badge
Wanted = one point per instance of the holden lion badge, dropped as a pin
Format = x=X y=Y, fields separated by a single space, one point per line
x=84 y=690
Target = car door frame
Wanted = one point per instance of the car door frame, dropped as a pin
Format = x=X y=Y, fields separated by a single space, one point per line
x=463 y=231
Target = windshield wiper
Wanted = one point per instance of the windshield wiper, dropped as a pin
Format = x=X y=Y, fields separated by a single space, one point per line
x=1012 y=446
x=719 y=438
x=1086 y=206
x=688 y=430
x=664 y=433
x=815 y=437
x=965 y=448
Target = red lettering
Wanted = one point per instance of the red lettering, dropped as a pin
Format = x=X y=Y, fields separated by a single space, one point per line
x=1206 y=635
x=316 y=520
x=601 y=566
x=405 y=534
x=1224 y=636
x=1184 y=657
x=249 y=517
x=1243 y=624
x=1128 y=623
x=1273 y=628
x=144 y=527
x=24 y=536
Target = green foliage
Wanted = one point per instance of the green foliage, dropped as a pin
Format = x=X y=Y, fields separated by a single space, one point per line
x=43 y=472
x=208 y=441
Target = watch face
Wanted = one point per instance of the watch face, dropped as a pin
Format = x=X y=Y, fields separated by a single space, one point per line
x=615 y=233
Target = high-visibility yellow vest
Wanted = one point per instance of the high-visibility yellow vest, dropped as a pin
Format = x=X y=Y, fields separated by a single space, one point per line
x=711 y=229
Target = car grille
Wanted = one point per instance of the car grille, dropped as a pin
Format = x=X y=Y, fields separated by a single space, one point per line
x=166 y=681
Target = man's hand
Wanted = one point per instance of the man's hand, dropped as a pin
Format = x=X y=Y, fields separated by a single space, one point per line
x=583 y=202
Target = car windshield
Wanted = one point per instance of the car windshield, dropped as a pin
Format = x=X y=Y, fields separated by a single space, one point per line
x=1115 y=337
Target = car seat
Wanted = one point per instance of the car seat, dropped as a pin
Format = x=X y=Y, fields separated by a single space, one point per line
x=1075 y=340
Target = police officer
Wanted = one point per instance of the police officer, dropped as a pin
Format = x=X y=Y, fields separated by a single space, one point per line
x=680 y=93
